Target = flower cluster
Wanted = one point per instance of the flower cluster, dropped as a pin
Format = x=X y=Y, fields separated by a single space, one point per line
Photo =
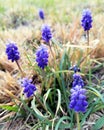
x=42 y=56
x=12 y=52
x=29 y=88
x=41 y=14
x=86 y=20
x=77 y=80
x=78 y=99
x=46 y=33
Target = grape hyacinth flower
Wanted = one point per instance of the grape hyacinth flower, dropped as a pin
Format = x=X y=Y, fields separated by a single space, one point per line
x=29 y=88
x=41 y=14
x=46 y=33
x=42 y=56
x=77 y=80
x=12 y=51
x=86 y=20
x=78 y=99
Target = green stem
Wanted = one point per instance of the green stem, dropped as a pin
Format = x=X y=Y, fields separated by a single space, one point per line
x=88 y=38
x=89 y=68
x=78 y=123
x=87 y=42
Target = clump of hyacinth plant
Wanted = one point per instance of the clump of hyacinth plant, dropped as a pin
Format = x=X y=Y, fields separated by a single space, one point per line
x=42 y=56
x=13 y=53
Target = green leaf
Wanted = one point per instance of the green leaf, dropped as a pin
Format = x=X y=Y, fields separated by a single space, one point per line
x=99 y=107
x=86 y=115
x=99 y=123
x=38 y=113
x=47 y=127
x=59 y=123
x=10 y=108
x=96 y=92
x=59 y=101
x=63 y=84
x=46 y=95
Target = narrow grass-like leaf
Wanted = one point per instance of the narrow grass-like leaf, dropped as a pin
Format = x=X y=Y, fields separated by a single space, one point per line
x=86 y=115
x=99 y=123
x=63 y=83
x=39 y=114
x=46 y=95
x=47 y=127
x=10 y=108
x=99 y=106
x=96 y=92
x=59 y=101
x=60 y=121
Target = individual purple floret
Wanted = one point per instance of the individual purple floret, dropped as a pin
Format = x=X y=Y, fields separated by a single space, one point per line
x=29 y=88
x=78 y=99
x=41 y=14
x=46 y=33
x=77 y=80
x=86 y=20
x=12 y=52
x=42 y=56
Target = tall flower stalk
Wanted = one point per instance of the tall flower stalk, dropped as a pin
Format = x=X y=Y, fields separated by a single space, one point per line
x=86 y=23
x=78 y=121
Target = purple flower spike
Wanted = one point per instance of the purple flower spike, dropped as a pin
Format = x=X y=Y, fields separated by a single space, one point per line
x=46 y=33
x=42 y=56
x=78 y=99
x=29 y=88
x=77 y=80
x=41 y=14
x=86 y=20
x=12 y=52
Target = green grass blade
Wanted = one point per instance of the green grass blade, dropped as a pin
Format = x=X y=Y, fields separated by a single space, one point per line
x=60 y=121
x=59 y=101
x=96 y=92
x=99 y=123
